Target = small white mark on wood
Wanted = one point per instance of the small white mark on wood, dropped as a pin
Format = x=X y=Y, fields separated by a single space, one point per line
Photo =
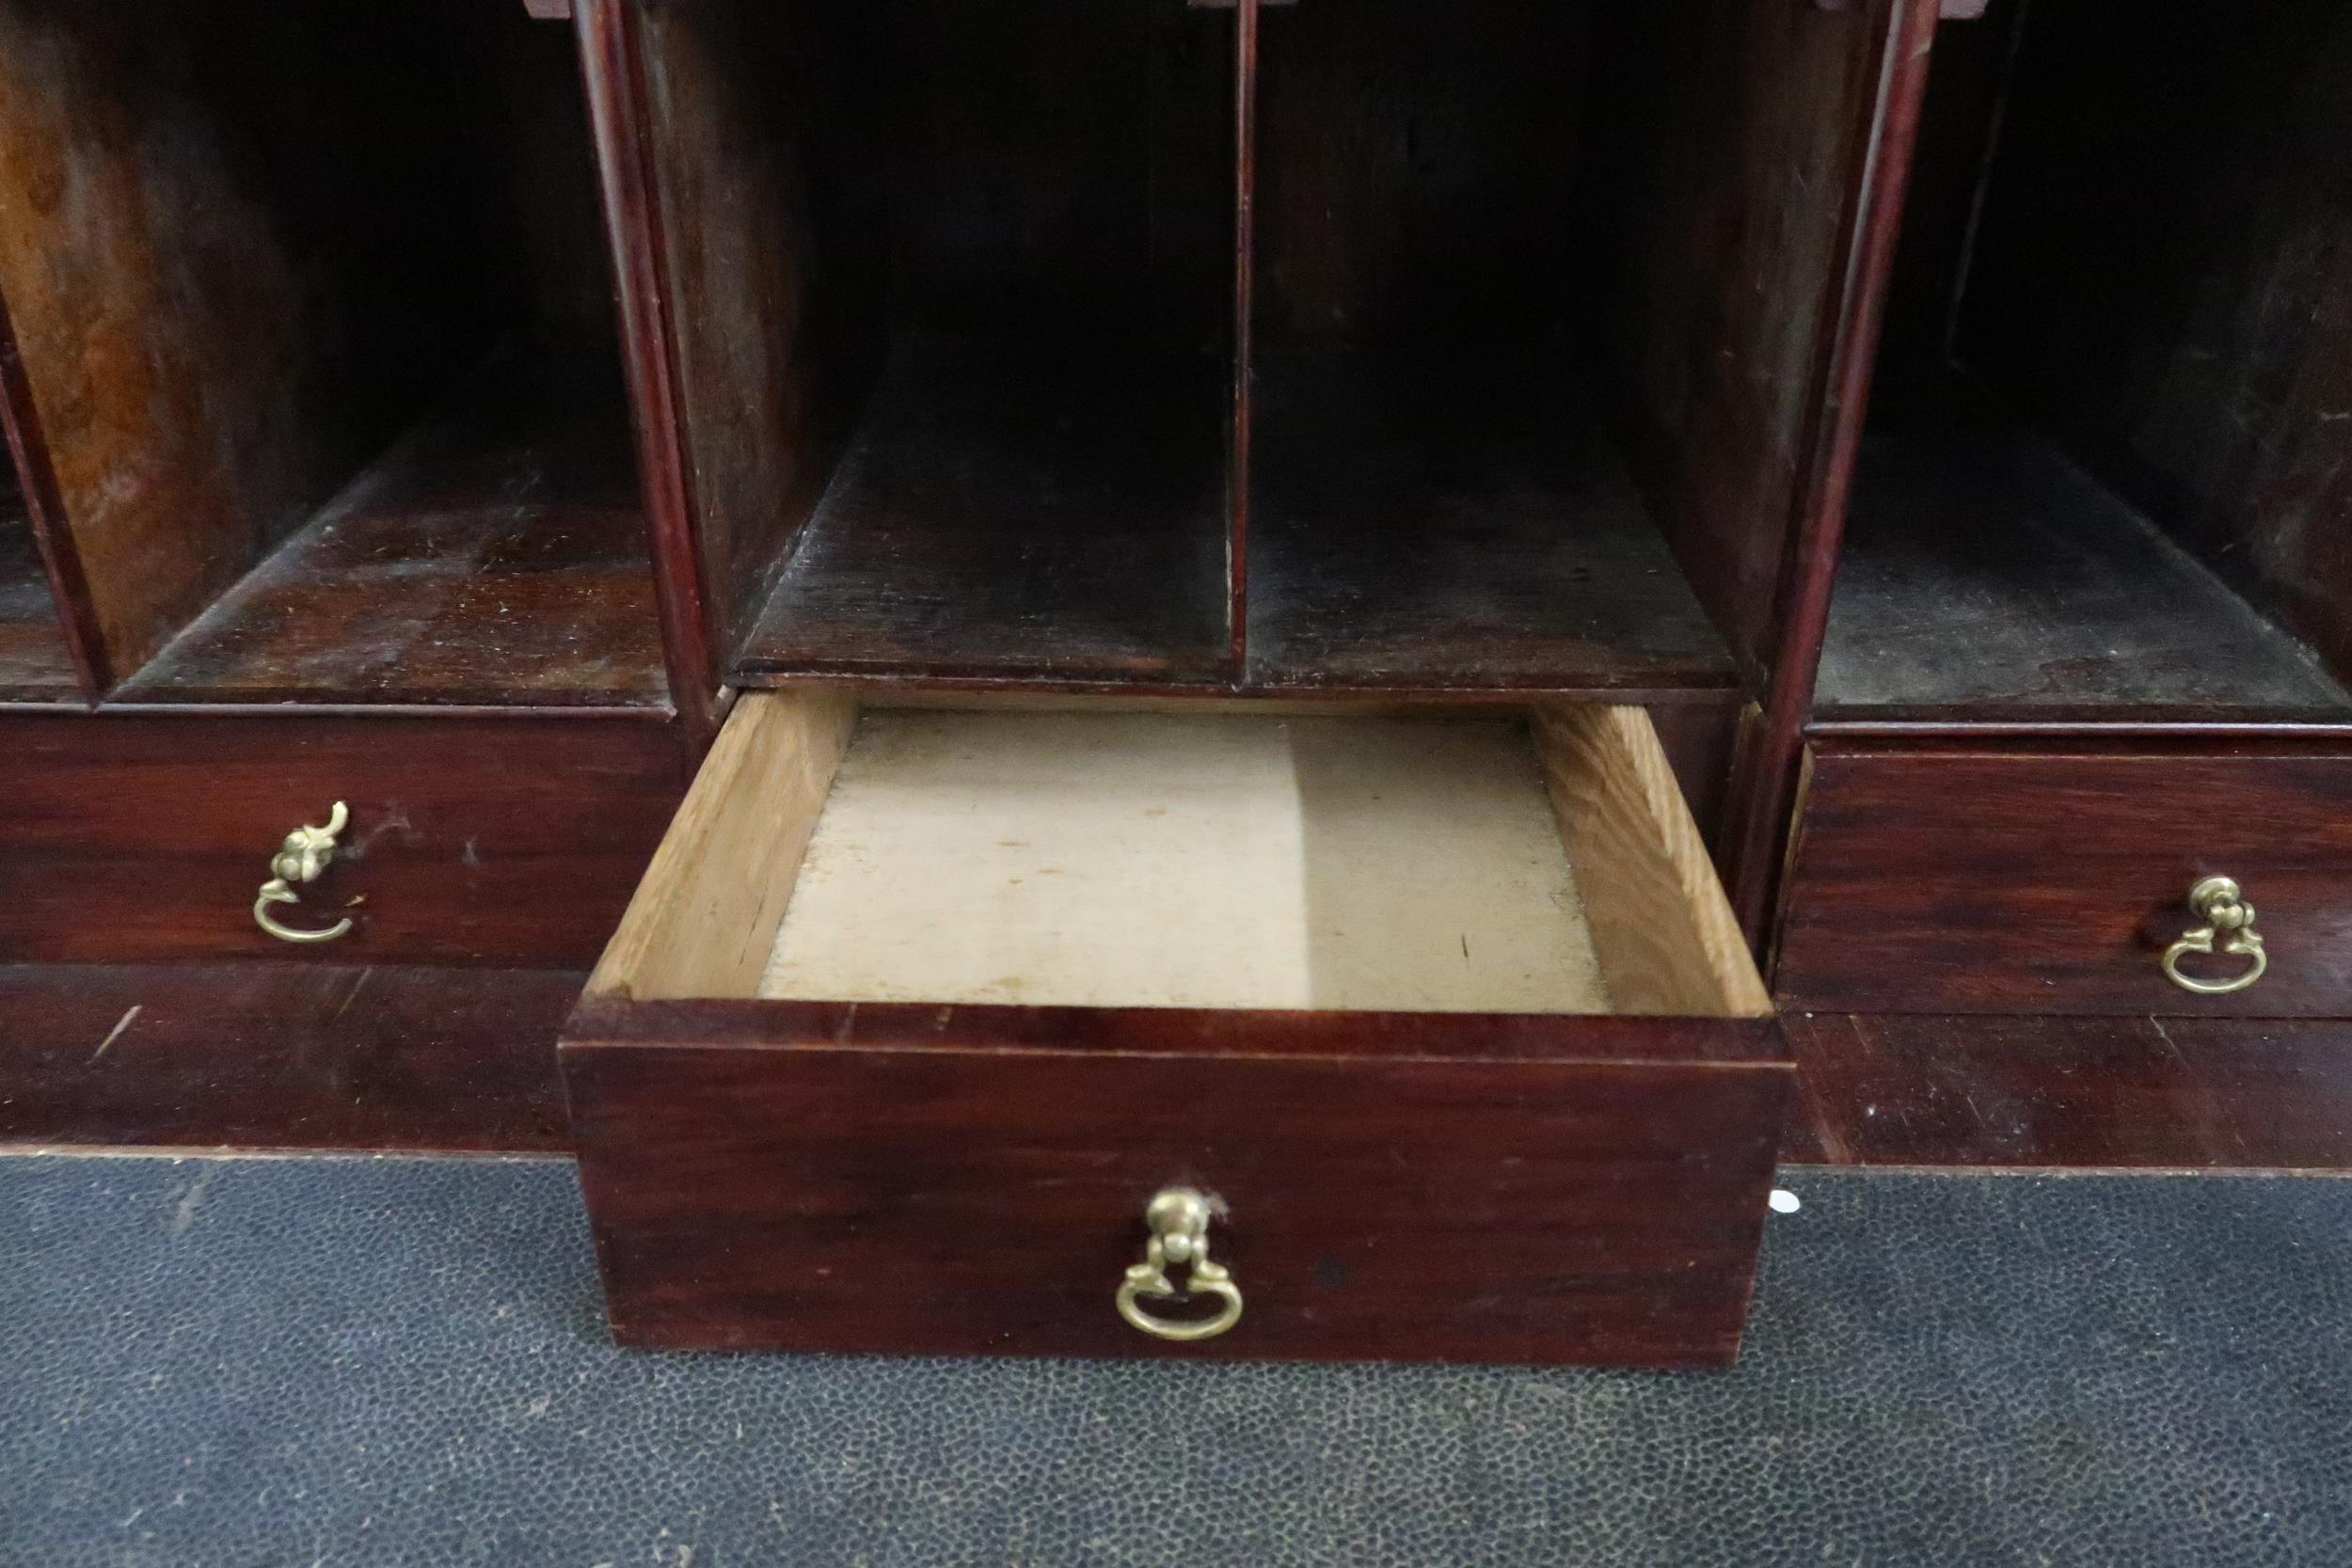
x=115 y=1033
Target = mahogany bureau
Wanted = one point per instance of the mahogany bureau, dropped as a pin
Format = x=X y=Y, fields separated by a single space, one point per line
x=1178 y=678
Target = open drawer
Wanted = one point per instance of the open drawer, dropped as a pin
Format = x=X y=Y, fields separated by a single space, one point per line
x=966 y=1032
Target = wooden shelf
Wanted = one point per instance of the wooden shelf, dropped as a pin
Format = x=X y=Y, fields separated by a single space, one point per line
x=1005 y=516
x=1413 y=530
x=1986 y=575
x=33 y=663
x=1457 y=527
x=495 y=554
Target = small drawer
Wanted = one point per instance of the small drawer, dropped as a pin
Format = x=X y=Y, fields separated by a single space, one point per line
x=1441 y=1028
x=130 y=838
x=1960 y=880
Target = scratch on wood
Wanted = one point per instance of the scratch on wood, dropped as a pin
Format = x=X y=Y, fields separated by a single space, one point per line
x=353 y=995
x=115 y=1033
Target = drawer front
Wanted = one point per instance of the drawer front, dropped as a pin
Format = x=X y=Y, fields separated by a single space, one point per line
x=1955 y=881
x=128 y=838
x=1395 y=1186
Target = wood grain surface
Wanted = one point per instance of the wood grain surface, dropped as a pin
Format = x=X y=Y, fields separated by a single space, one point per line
x=495 y=554
x=1018 y=515
x=215 y=325
x=1197 y=861
x=704 y=919
x=1460 y=523
x=1668 y=941
x=1952 y=878
x=283 y=1055
x=947 y=1199
x=2071 y=1093
x=511 y=841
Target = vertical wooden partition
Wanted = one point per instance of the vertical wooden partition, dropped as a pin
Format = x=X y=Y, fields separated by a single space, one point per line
x=1245 y=306
x=1759 y=228
x=1249 y=348
x=933 y=302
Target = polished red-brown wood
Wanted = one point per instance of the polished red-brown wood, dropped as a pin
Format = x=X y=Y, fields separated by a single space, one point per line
x=1949 y=879
x=283 y=1055
x=2122 y=1093
x=823 y=1177
x=509 y=841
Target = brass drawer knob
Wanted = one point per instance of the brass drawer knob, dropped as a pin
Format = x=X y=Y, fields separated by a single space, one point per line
x=305 y=852
x=2228 y=921
x=1179 y=1220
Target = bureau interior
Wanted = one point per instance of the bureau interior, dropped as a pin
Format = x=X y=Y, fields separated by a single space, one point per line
x=959 y=286
x=954 y=339
x=2105 y=475
x=1534 y=862
x=316 y=326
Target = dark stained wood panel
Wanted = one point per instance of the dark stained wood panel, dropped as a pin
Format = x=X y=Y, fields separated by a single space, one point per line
x=1419 y=174
x=1456 y=524
x=1957 y=880
x=131 y=837
x=762 y=231
x=1437 y=1205
x=35 y=665
x=1017 y=516
x=2167 y=1093
x=1986 y=575
x=496 y=554
x=1030 y=175
x=1736 y=142
x=283 y=1055
x=1207 y=1032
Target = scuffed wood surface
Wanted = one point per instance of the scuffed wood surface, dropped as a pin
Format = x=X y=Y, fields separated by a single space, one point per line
x=191 y=299
x=495 y=554
x=283 y=1055
x=2161 y=276
x=2130 y=1093
x=1464 y=524
x=1985 y=575
x=1011 y=515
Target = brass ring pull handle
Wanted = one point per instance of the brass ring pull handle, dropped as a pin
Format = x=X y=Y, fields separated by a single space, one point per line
x=306 y=854
x=2221 y=905
x=1179 y=1218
